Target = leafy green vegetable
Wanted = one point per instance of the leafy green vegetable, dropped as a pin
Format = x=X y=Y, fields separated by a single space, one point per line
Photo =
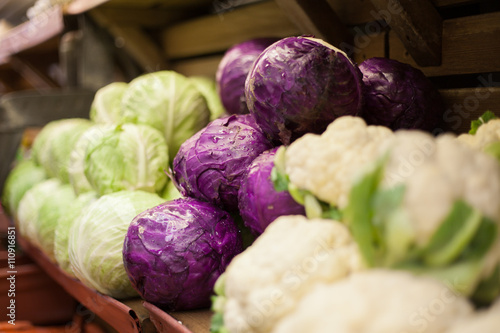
x=488 y=289
x=456 y=231
x=53 y=145
x=169 y=102
x=29 y=207
x=130 y=157
x=218 y=302
x=64 y=223
x=55 y=204
x=170 y=192
x=360 y=211
x=96 y=240
x=21 y=178
x=315 y=208
x=107 y=104
x=475 y=124
x=493 y=149
x=76 y=168
x=208 y=89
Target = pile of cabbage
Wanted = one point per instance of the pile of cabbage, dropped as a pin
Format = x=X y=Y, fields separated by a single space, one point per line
x=86 y=179
x=296 y=183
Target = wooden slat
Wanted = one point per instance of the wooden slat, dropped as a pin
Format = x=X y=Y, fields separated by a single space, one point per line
x=419 y=27
x=358 y=12
x=449 y=3
x=135 y=41
x=141 y=47
x=354 y=12
x=367 y=46
x=470 y=45
x=144 y=17
x=117 y=314
x=194 y=321
x=216 y=33
x=316 y=18
x=204 y=66
x=464 y=105
x=197 y=321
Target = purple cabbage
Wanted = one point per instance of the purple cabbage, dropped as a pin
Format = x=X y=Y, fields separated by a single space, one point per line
x=233 y=70
x=300 y=85
x=399 y=96
x=173 y=253
x=258 y=201
x=210 y=165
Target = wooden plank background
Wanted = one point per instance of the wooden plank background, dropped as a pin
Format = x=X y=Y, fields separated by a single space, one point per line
x=216 y=33
x=194 y=46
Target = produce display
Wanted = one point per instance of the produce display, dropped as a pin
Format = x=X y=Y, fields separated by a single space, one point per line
x=364 y=217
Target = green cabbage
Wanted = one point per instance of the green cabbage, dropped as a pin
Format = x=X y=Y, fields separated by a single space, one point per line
x=52 y=208
x=106 y=106
x=96 y=241
x=75 y=209
x=53 y=145
x=170 y=192
x=168 y=101
x=29 y=207
x=21 y=178
x=76 y=168
x=208 y=89
x=130 y=157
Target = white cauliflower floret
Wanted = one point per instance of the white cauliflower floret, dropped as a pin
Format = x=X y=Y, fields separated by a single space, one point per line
x=326 y=164
x=436 y=173
x=430 y=205
x=264 y=283
x=377 y=301
x=482 y=321
x=486 y=134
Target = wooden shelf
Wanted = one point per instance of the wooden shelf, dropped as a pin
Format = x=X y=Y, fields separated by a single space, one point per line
x=120 y=316
x=125 y=316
